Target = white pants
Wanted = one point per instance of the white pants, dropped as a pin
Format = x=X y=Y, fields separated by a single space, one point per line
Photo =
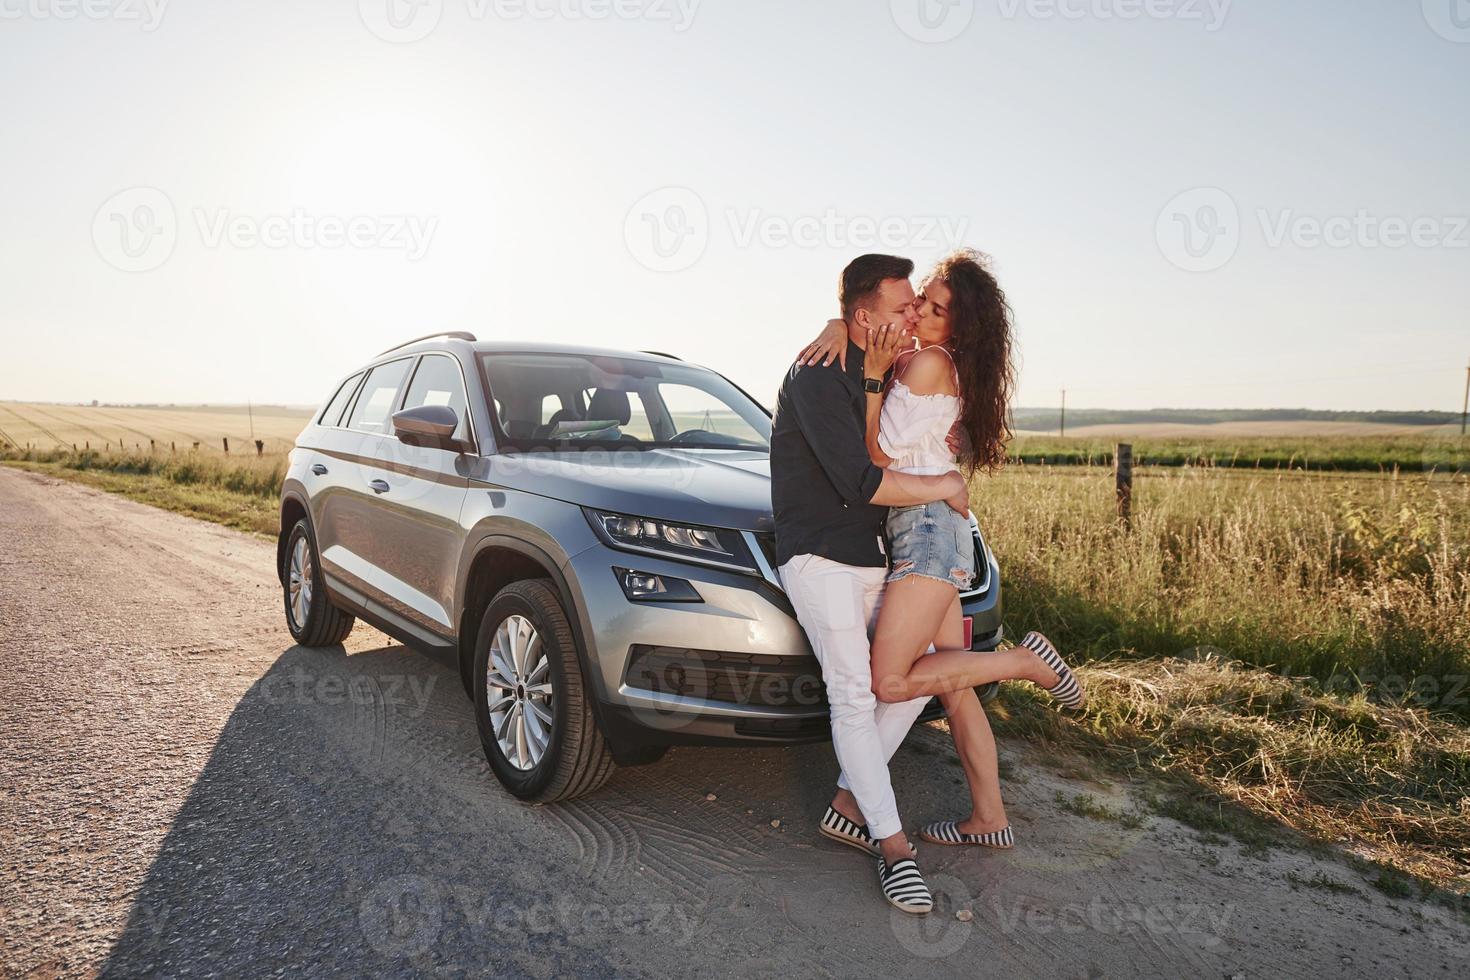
x=838 y=606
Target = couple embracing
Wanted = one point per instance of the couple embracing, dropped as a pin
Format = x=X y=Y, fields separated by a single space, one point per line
x=874 y=544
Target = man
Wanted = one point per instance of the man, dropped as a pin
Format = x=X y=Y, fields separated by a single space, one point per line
x=830 y=502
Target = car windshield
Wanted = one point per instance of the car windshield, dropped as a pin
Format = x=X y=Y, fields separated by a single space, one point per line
x=587 y=401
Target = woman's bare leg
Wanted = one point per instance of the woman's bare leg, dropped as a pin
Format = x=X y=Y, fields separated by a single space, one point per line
x=968 y=725
x=973 y=739
x=914 y=608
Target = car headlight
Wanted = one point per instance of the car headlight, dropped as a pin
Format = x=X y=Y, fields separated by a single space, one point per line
x=715 y=546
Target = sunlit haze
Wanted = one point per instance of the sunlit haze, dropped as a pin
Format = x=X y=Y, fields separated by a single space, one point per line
x=1206 y=204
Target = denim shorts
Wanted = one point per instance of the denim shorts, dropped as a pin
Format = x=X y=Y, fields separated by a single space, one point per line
x=931 y=541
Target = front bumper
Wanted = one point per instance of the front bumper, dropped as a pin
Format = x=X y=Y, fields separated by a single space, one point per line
x=733 y=668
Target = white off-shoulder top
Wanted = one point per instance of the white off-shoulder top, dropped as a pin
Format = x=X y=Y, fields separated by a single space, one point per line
x=913 y=428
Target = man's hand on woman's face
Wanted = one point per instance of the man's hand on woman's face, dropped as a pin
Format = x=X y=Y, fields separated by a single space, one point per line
x=885 y=343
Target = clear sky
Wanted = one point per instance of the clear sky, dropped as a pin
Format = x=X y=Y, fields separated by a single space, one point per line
x=1191 y=202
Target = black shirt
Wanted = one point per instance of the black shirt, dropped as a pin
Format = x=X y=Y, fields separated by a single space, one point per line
x=821 y=476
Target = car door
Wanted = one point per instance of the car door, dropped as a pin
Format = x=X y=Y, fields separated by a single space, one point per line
x=418 y=540
x=355 y=470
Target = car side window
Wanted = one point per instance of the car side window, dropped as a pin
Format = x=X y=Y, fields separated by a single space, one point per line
x=379 y=394
x=438 y=382
x=332 y=415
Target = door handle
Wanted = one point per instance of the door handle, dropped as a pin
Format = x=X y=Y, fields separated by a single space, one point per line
x=380 y=486
x=318 y=469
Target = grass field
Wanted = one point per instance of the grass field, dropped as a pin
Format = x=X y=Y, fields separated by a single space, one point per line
x=1271 y=651
x=108 y=428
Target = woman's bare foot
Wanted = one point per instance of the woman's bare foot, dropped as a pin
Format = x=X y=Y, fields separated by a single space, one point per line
x=977 y=825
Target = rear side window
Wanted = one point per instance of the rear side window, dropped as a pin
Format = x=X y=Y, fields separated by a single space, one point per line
x=438 y=382
x=333 y=413
x=379 y=394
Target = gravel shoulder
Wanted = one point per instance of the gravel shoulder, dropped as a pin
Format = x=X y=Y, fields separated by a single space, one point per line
x=187 y=792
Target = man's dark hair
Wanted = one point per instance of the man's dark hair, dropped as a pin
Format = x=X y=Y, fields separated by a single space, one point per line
x=864 y=275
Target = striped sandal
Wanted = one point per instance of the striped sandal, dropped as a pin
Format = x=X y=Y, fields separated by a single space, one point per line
x=1067 y=691
x=837 y=827
x=904 y=887
x=948 y=832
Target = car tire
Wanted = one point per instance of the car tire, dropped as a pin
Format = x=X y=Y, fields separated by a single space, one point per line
x=573 y=757
x=311 y=617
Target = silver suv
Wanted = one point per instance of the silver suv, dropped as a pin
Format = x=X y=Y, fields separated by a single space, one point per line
x=585 y=534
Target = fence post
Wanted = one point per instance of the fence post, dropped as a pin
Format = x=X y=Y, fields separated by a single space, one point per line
x=171 y=447
x=1123 y=460
x=227 y=447
x=196 y=447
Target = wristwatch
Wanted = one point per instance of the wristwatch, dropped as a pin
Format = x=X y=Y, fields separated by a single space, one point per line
x=873 y=386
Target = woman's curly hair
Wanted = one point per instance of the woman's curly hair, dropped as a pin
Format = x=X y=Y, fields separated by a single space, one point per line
x=980 y=319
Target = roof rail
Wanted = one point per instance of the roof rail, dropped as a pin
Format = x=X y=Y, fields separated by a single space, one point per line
x=453 y=334
x=659 y=353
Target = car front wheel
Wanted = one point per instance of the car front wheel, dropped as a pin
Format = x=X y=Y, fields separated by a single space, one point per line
x=532 y=707
x=311 y=617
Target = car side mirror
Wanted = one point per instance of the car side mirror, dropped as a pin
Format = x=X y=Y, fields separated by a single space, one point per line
x=431 y=425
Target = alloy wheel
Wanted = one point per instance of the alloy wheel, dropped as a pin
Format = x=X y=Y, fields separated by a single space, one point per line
x=519 y=692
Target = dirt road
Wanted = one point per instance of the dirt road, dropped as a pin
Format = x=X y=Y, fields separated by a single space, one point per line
x=186 y=792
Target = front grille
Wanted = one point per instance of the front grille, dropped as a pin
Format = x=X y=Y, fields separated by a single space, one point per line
x=756 y=679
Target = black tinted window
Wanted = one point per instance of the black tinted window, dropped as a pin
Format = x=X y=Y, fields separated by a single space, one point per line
x=438 y=382
x=374 y=409
x=333 y=413
x=621 y=403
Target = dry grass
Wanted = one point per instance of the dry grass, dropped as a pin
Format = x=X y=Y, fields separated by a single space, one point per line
x=123 y=428
x=1361 y=582
x=1245 y=752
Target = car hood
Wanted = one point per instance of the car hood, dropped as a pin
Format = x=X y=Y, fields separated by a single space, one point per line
x=717 y=488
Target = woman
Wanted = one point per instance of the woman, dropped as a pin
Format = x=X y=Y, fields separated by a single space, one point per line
x=960 y=376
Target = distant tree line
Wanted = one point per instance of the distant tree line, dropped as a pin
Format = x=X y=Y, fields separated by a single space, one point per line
x=1046 y=418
